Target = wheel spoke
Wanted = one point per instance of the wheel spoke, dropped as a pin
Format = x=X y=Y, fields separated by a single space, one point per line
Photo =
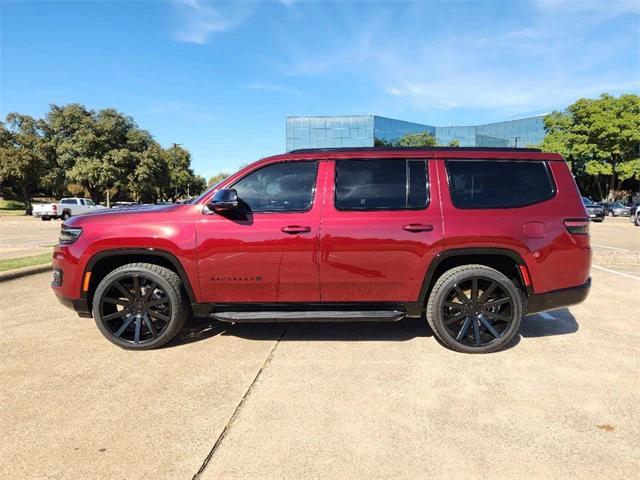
x=123 y=290
x=459 y=306
x=474 y=289
x=488 y=292
x=149 y=290
x=116 y=301
x=117 y=314
x=461 y=295
x=159 y=301
x=455 y=318
x=136 y=287
x=463 y=330
x=498 y=316
x=159 y=315
x=136 y=338
x=489 y=327
x=476 y=332
x=124 y=326
x=150 y=325
x=495 y=303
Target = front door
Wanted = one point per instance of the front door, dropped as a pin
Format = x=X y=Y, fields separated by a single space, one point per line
x=268 y=253
x=380 y=231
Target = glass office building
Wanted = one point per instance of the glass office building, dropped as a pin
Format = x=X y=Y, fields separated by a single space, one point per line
x=363 y=130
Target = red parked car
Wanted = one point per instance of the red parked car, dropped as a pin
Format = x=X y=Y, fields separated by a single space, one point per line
x=472 y=238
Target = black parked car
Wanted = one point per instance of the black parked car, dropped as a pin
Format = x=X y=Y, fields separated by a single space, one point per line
x=596 y=212
x=616 y=209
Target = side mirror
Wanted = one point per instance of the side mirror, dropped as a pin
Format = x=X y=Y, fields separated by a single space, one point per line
x=225 y=200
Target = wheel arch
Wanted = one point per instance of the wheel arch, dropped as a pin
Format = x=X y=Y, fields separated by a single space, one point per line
x=504 y=260
x=101 y=263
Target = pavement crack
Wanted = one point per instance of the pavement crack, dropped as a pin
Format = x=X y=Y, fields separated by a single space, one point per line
x=236 y=411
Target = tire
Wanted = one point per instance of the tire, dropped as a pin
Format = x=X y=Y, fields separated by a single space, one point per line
x=147 y=312
x=65 y=216
x=463 y=334
x=45 y=218
x=637 y=222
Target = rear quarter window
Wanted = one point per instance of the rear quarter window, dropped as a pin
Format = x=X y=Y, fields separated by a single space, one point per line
x=499 y=183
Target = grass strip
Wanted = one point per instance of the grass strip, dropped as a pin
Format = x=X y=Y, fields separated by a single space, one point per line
x=13 y=263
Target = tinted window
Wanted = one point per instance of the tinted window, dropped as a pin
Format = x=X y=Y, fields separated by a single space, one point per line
x=68 y=201
x=498 y=183
x=281 y=187
x=586 y=201
x=381 y=184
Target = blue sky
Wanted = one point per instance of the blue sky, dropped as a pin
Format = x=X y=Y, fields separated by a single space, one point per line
x=220 y=77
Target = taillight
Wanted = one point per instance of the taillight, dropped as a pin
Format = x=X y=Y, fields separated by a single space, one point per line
x=54 y=208
x=577 y=226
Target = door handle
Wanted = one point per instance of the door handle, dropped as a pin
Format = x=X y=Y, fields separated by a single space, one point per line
x=296 y=229
x=417 y=227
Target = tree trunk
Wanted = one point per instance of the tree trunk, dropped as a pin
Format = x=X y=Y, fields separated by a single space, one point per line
x=26 y=196
x=612 y=186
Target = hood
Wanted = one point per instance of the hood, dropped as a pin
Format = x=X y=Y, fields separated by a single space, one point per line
x=113 y=214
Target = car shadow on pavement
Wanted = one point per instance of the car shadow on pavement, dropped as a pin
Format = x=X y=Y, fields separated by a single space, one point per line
x=198 y=329
x=558 y=322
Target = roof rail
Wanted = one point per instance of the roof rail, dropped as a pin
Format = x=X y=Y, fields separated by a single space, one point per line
x=393 y=149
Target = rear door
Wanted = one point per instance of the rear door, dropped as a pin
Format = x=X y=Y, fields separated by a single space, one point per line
x=269 y=253
x=381 y=229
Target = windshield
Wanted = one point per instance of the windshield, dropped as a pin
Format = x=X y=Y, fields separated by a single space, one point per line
x=89 y=202
x=587 y=201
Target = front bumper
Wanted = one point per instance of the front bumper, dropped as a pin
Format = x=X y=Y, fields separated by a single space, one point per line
x=80 y=305
x=558 y=298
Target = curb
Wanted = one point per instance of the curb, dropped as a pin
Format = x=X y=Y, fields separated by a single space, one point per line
x=23 y=272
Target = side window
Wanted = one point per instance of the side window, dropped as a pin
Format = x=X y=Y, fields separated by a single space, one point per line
x=381 y=184
x=498 y=183
x=68 y=201
x=280 y=187
x=89 y=203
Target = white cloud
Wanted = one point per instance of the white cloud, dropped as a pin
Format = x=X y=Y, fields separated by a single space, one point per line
x=199 y=19
x=269 y=87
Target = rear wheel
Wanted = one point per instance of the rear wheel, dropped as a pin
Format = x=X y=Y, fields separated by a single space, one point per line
x=475 y=309
x=140 y=306
x=637 y=222
x=45 y=218
x=65 y=216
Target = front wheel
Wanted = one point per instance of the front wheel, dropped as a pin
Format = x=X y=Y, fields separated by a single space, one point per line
x=637 y=222
x=140 y=306
x=65 y=216
x=475 y=309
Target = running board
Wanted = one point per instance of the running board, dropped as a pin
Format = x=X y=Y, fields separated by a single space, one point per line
x=311 y=316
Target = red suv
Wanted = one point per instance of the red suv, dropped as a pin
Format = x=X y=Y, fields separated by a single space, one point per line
x=471 y=238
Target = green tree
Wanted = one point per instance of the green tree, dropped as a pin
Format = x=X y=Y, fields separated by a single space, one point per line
x=217 y=179
x=24 y=156
x=600 y=138
x=454 y=143
x=423 y=139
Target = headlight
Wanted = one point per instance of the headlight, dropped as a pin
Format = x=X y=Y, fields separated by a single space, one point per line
x=69 y=235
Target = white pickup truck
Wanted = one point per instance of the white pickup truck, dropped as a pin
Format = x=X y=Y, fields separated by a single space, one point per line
x=67 y=207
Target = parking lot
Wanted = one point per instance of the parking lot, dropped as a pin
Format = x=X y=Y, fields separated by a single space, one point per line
x=356 y=401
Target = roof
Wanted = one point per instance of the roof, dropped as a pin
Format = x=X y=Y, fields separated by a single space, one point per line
x=422 y=149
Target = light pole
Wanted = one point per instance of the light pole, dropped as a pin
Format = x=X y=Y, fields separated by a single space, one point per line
x=516 y=139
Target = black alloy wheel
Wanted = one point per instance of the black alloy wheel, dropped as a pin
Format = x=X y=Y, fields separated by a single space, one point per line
x=139 y=306
x=475 y=309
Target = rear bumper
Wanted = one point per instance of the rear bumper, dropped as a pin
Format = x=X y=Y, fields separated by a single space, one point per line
x=558 y=298
x=80 y=305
